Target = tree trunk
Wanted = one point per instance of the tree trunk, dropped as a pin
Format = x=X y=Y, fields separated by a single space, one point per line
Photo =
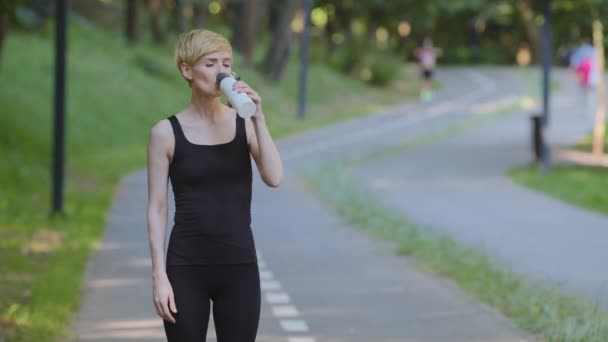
x=3 y=29
x=339 y=23
x=529 y=19
x=155 y=7
x=236 y=19
x=200 y=9
x=179 y=22
x=330 y=29
x=599 y=131
x=245 y=23
x=131 y=21
x=274 y=11
x=282 y=36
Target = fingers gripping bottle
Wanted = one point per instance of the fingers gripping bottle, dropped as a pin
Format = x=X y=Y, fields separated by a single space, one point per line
x=243 y=104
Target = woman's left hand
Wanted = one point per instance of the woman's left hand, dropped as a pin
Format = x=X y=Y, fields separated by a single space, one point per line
x=242 y=87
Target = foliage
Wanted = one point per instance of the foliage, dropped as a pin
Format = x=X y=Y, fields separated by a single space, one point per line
x=9 y=5
x=487 y=31
x=346 y=58
x=383 y=68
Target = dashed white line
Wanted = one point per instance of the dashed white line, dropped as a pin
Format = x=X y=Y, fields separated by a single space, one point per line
x=294 y=325
x=285 y=311
x=265 y=275
x=301 y=339
x=270 y=285
x=277 y=298
x=280 y=306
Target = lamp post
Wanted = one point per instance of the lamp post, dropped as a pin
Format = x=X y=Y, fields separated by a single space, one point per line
x=304 y=59
x=546 y=55
x=59 y=105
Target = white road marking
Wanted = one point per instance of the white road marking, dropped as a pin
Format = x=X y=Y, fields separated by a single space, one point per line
x=301 y=339
x=270 y=285
x=279 y=302
x=294 y=325
x=277 y=297
x=266 y=275
x=285 y=311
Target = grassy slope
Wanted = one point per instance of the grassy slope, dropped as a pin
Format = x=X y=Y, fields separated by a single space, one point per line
x=112 y=103
x=578 y=185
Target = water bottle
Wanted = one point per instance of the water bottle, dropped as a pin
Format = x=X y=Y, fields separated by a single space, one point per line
x=243 y=104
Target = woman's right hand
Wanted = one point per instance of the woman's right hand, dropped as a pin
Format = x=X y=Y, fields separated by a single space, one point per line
x=164 y=301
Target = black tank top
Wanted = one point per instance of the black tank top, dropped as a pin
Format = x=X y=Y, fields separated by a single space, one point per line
x=212 y=188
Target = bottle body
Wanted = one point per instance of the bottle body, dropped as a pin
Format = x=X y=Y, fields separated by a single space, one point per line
x=241 y=102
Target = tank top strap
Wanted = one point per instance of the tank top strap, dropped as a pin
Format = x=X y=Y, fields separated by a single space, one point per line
x=178 y=133
x=241 y=132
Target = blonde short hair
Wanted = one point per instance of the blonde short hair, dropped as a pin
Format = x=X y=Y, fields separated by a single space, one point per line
x=195 y=44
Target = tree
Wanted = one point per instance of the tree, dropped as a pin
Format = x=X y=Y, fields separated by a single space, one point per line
x=200 y=9
x=131 y=21
x=6 y=9
x=178 y=20
x=3 y=27
x=155 y=8
x=528 y=17
x=599 y=129
x=282 y=36
x=244 y=28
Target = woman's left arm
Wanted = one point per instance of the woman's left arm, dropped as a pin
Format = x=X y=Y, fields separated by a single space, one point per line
x=261 y=145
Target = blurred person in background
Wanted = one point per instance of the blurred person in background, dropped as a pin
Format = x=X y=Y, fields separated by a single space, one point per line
x=427 y=55
x=583 y=62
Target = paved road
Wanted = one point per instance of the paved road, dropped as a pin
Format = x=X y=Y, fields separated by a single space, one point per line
x=464 y=178
x=321 y=280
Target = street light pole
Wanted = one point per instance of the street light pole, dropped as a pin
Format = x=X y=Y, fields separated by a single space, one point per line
x=307 y=4
x=546 y=55
x=59 y=102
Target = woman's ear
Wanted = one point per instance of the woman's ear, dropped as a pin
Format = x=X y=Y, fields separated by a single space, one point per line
x=186 y=71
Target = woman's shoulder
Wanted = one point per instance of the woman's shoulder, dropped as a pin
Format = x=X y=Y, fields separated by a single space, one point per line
x=162 y=131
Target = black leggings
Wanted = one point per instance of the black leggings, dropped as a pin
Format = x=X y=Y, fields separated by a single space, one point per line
x=235 y=292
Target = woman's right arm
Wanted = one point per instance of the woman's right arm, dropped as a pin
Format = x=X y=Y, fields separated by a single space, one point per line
x=160 y=145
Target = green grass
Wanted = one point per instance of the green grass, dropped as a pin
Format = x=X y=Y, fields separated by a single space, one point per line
x=541 y=311
x=115 y=95
x=577 y=185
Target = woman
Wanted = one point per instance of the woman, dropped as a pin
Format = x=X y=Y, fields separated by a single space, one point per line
x=205 y=151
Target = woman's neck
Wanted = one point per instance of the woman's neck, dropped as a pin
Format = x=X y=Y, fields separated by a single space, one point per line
x=206 y=108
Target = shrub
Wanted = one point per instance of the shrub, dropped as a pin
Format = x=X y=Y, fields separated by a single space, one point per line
x=382 y=68
x=346 y=58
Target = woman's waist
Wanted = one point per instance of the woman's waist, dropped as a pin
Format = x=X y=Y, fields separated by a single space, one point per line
x=225 y=220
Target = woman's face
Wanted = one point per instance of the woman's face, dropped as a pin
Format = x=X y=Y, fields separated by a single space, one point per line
x=203 y=74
